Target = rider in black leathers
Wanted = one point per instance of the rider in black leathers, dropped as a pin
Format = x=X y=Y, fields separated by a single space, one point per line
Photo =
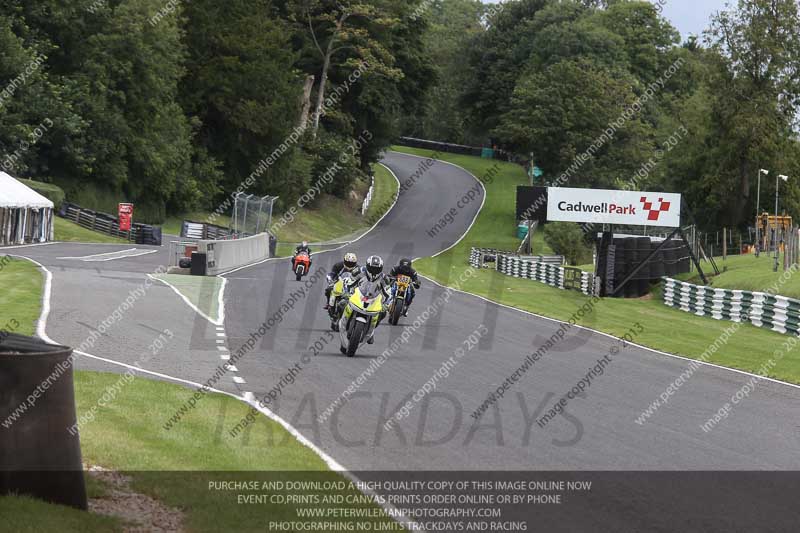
x=405 y=268
x=303 y=247
x=348 y=264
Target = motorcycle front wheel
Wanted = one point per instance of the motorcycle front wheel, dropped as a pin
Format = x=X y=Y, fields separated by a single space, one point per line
x=397 y=311
x=356 y=336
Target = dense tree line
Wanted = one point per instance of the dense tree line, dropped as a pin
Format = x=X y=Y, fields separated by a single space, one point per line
x=552 y=77
x=175 y=105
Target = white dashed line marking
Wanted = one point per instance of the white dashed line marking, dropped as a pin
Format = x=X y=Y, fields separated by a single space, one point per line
x=220 y=341
x=231 y=368
x=225 y=356
x=220 y=334
x=222 y=349
x=237 y=379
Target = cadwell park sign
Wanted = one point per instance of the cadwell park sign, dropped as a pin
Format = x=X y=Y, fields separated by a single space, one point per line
x=602 y=206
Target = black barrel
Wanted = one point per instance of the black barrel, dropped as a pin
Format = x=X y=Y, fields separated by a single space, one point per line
x=40 y=451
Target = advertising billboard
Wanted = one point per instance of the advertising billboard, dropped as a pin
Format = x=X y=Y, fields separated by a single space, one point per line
x=602 y=206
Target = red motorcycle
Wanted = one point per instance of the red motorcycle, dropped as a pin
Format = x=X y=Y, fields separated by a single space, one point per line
x=301 y=265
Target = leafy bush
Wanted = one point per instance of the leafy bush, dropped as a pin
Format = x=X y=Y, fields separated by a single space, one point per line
x=567 y=239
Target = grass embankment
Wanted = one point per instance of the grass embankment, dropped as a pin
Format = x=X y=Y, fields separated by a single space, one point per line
x=68 y=231
x=173 y=466
x=334 y=219
x=749 y=273
x=665 y=329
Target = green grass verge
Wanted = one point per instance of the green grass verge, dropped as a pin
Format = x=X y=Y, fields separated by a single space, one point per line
x=334 y=219
x=26 y=515
x=202 y=291
x=20 y=296
x=665 y=329
x=750 y=273
x=68 y=231
x=176 y=465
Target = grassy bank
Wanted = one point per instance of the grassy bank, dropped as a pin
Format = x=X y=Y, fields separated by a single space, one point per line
x=747 y=350
x=68 y=231
x=750 y=273
x=334 y=219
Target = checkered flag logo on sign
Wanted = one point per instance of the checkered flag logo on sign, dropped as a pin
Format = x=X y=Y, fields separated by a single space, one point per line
x=653 y=214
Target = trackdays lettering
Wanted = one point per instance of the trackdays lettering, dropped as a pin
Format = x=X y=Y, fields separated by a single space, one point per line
x=582 y=207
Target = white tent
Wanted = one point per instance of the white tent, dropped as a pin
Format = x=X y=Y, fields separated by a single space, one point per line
x=25 y=215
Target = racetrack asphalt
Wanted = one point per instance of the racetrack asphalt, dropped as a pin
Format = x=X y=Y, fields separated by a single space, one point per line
x=596 y=432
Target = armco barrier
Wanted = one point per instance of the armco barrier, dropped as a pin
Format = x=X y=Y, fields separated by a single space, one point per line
x=777 y=313
x=204 y=230
x=541 y=269
x=39 y=456
x=108 y=224
x=225 y=255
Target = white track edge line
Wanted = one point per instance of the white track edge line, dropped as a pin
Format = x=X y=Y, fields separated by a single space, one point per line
x=84 y=257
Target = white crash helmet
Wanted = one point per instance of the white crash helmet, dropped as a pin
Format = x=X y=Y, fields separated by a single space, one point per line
x=350 y=261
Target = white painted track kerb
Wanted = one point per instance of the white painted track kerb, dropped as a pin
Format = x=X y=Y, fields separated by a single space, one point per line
x=112 y=256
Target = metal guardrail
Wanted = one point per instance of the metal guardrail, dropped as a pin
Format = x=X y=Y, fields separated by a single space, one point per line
x=777 y=313
x=205 y=231
x=109 y=225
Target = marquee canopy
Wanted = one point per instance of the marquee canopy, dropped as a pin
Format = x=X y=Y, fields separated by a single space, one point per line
x=14 y=194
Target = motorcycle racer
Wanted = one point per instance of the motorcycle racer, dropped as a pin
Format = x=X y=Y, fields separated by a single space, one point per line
x=348 y=264
x=404 y=267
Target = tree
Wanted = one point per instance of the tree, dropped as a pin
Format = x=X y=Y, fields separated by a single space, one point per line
x=560 y=113
x=242 y=89
x=756 y=93
x=343 y=32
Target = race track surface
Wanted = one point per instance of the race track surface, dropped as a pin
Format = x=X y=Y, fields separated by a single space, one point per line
x=595 y=432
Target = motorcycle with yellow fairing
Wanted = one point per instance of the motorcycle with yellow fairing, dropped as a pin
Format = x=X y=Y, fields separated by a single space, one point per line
x=337 y=303
x=360 y=316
